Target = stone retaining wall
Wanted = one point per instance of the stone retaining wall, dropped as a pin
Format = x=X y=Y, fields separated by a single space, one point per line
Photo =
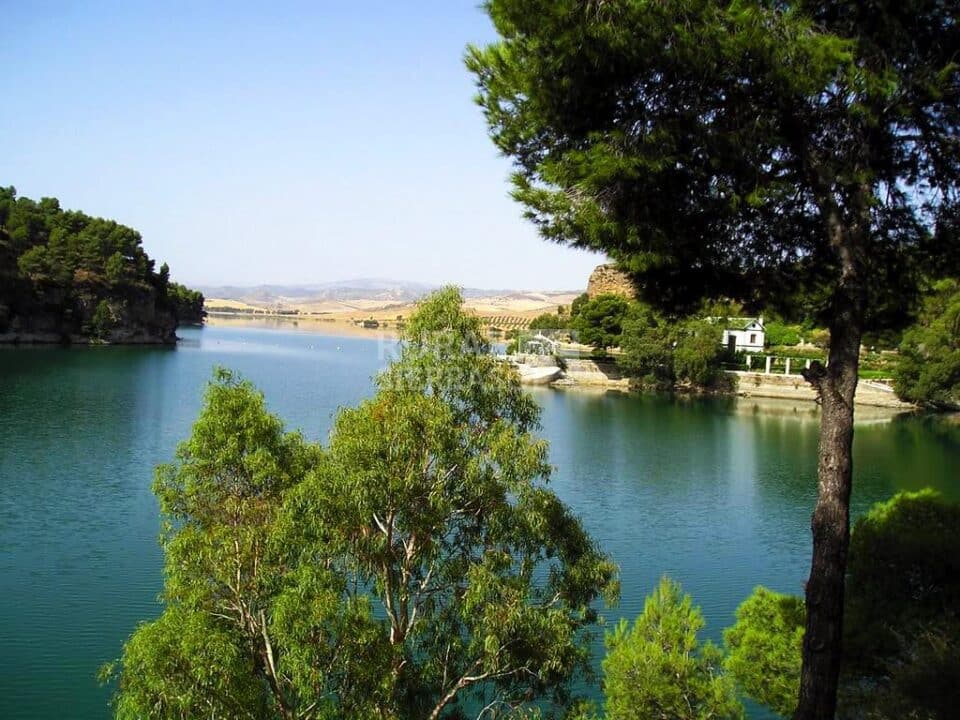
x=794 y=387
x=593 y=373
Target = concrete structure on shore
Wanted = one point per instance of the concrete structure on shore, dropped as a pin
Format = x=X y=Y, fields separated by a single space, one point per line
x=540 y=344
x=794 y=387
x=588 y=373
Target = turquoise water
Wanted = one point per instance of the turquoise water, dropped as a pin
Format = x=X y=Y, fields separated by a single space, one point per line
x=714 y=492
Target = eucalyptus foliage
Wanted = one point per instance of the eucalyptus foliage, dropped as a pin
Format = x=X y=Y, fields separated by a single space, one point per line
x=415 y=567
x=433 y=494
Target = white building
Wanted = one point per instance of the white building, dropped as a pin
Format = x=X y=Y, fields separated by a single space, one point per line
x=744 y=334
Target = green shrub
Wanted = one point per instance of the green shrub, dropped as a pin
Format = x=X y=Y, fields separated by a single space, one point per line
x=929 y=369
x=778 y=333
x=901 y=626
x=103 y=320
x=548 y=321
x=657 y=668
x=764 y=648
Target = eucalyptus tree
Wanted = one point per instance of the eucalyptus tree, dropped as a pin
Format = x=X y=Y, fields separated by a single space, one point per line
x=433 y=495
x=241 y=636
x=774 y=152
x=416 y=566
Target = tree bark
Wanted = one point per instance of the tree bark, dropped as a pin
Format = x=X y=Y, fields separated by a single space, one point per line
x=836 y=385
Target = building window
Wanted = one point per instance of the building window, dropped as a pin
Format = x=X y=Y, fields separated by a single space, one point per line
x=753 y=338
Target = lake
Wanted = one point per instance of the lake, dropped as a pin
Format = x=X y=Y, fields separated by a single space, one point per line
x=713 y=491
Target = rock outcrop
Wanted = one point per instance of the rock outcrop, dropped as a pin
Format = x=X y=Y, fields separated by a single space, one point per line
x=608 y=280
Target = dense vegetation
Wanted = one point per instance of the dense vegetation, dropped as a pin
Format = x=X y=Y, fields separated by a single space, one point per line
x=550 y=321
x=663 y=352
x=66 y=276
x=929 y=368
x=659 y=351
x=902 y=635
x=599 y=321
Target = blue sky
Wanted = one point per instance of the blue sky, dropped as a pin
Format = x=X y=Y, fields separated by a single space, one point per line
x=272 y=142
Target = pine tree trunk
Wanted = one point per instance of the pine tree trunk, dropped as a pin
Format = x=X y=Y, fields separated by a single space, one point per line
x=836 y=385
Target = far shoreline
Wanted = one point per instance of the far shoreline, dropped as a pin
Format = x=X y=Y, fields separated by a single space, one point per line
x=320 y=326
x=792 y=401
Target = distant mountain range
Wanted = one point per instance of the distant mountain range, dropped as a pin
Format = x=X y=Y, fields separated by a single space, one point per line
x=346 y=290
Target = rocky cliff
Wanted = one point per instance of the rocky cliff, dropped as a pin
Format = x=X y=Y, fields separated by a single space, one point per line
x=85 y=314
x=608 y=280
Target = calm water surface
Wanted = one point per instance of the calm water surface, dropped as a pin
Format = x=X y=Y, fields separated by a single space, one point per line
x=714 y=492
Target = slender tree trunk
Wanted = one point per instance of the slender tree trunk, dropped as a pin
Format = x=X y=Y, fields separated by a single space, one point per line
x=831 y=537
x=836 y=385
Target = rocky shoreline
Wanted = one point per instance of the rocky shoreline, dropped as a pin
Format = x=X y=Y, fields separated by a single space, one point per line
x=91 y=317
x=598 y=374
x=50 y=338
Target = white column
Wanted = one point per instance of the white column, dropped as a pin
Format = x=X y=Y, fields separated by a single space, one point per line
x=787 y=371
x=769 y=361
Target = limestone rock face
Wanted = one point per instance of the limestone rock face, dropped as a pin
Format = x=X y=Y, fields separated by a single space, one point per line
x=607 y=280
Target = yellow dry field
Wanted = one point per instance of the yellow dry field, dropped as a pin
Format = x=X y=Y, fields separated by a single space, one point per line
x=512 y=310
